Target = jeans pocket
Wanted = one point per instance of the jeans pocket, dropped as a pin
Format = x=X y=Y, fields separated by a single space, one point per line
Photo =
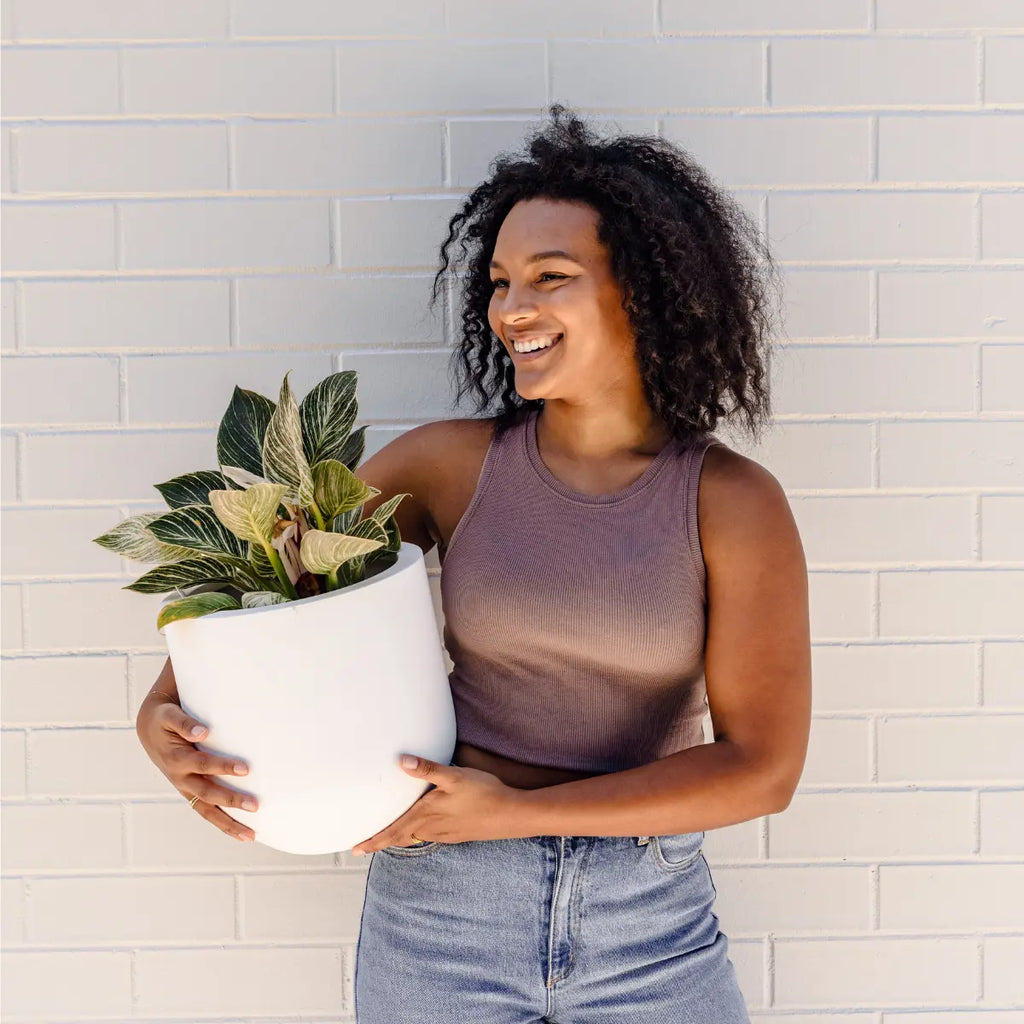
x=679 y=851
x=416 y=850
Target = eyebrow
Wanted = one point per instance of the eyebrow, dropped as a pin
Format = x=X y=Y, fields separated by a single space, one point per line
x=537 y=257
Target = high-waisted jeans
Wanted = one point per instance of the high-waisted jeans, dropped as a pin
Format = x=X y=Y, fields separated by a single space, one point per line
x=552 y=929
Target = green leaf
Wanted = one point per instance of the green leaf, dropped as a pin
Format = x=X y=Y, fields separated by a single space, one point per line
x=345 y=521
x=337 y=489
x=242 y=429
x=193 y=606
x=197 y=527
x=133 y=539
x=352 y=453
x=190 y=489
x=324 y=552
x=193 y=571
x=262 y=599
x=249 y=514
x=370 y=529
x=284 y=461
x=328 y=414
x=241 y=477
x=382 y=513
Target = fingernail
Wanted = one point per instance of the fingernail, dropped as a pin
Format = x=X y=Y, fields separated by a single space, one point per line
x=357 y=853
x=249 y=804
x=197 y=730
x=240 y=769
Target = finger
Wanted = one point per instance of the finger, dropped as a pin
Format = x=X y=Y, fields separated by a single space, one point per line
x=224 y=822
x=184 y=725
x=211 y=792
x=201 y=762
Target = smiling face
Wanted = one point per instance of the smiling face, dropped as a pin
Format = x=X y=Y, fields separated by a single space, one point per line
x=572 y=295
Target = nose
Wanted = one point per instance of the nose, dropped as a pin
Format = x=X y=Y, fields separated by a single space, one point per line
x=516 y=306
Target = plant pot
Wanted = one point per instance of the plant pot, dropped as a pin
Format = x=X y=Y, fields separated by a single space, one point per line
x=320 y=697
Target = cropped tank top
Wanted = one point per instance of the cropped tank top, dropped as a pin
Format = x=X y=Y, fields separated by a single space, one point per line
x=576 y=623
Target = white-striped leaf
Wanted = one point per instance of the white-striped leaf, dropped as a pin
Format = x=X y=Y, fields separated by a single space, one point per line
x=241 y=477
x=263 y=599
x=249 y=514
x=328 y=414
x=382 y=513
x=352 y=453
x=133 y=539
x=324 y=552
x=242 y=429
x=337 y=489
x=193 y=571
x=197 y=527
x=195 y=605
x=284 y=461
x=190 y=489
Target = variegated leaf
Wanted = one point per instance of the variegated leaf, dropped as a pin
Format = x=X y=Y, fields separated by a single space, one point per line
x=263 y=599
x=344 y=522
x=242 y=477
x=382 y=513
x=242 y=429
x=194 y=606
x=197 y=527
x=285 y=543
x=352 y=453
x=324 y=552
x=327 y=415
x=192 y=571
x=337 y=489
x=133 y=539
x=250 y=514
x=284 y=461
x=190 y=489
x=369 y=529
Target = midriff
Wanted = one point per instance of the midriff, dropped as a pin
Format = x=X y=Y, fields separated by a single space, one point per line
x=514 y=773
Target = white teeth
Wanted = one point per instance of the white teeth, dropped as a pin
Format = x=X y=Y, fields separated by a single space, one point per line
x=532 y=346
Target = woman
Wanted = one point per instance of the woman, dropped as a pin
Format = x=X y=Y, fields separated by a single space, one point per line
x=610 y=570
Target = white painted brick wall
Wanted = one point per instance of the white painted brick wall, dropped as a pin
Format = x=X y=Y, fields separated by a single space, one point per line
x=210 y=192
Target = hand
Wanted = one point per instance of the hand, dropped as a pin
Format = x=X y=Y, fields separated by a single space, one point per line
x=165 y=732
x=464 y=804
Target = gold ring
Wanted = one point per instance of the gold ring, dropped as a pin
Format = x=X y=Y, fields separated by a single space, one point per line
x=415 y=838
x=192 y=802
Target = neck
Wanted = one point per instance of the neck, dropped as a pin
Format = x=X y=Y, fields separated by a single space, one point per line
x=590 y=434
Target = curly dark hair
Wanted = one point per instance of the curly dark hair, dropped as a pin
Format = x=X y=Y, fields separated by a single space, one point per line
x=701 y=281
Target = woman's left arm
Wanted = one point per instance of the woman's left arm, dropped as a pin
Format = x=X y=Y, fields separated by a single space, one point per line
x=758 y=676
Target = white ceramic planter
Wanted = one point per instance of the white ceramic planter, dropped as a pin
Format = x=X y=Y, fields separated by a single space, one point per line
x=320 y=697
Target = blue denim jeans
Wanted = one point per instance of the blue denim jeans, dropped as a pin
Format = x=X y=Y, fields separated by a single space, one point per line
x=552 y=929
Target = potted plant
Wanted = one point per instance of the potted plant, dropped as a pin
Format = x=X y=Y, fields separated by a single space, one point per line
x=301 y=632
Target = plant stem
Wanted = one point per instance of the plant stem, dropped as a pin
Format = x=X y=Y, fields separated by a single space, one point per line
x=282 y=574
x=332 y=580
x=318 y=516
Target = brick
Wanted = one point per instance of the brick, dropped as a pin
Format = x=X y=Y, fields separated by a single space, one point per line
x=59 y=82
x=949 y=304
x=950 y=148
x=884 y=529
x=58 y=237
x=8 y=323
x=949 y=14
x=1002 y=223
x=280 y=312
x=12 y=910
x=1004 y=674
x=1002 y=824
x=871 y=226
x=775 y=150
x=1003 y=58
x=837 y=753
x=132 y=909
x=198 y=388
x=233 y=79
x=874 y=971
x=718 y=73
x=9 y=462
x=277 y=981
x=953 y=748
x=436 y=77
x=117 y=20
x=74 y=689
x=60 y=389
x=840 y=604
x=29 y=846
x=1002 y=370
x=319 y=18
x=875 y=826
x=873 y=378
x=340 y=155
x=852 y=677
x=951 y=454
x=126 y=314
x=109 y=762
x=393 y=233
x=1002 y=539
x=951 y=896
x=6 y=159
x=812 y=455
x=779 y=16
x=56 y=542
x=306 y=907
x=12 y=753
x=12 y=617
x=872 y=72
x=597 y=18
x=1004 y=982
x=401 y=385
x=92 y=983
x=826 y=304
x=227 y=233
x=122 y=158
x=950 y=603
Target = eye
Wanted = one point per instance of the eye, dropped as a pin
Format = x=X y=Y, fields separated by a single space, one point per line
x=500 y=282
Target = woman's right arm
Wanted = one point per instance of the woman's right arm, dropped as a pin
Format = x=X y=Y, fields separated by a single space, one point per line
x=166 y=734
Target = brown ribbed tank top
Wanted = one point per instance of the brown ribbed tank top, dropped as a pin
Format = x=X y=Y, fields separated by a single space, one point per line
x=576 y=622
